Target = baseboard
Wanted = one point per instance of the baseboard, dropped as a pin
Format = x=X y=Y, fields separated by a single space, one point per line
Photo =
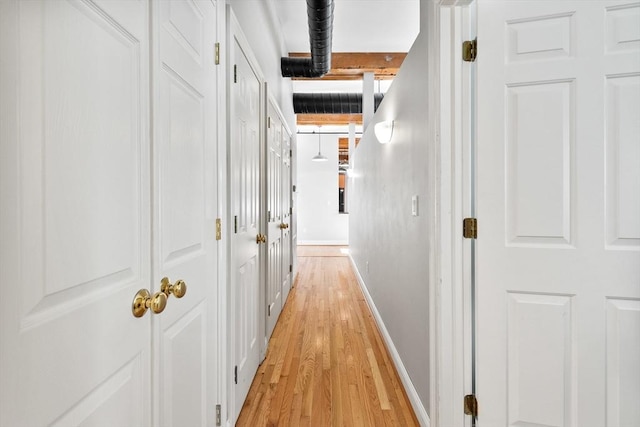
x=418 y=407
x=323 y=242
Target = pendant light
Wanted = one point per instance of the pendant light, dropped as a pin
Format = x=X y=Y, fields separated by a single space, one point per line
x=319 y=157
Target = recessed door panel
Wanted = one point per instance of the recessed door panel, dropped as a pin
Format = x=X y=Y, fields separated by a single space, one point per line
x=623 y=353
x=540 y=357
x=622 y=152
x=539 y=153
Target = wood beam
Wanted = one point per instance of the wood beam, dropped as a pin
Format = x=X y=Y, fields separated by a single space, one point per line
x=328 y=119
x=343 y=143
x=351 y=65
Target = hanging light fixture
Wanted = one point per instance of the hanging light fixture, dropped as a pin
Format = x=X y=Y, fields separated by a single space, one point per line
x=319 y=157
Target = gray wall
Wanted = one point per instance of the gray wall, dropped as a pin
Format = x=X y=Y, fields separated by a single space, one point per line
x=389 y=245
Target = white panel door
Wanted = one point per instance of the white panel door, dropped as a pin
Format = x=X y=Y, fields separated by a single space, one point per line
x=75 y=216
x=185 y=207
x=244 y=172
x=274 y=217
x=558 y=179
x=285 y=189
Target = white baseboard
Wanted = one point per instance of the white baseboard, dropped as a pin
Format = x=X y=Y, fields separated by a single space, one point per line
x=323 y=242
x=418 y=407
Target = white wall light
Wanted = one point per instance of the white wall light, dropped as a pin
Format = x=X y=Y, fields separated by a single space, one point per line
x=384 y=131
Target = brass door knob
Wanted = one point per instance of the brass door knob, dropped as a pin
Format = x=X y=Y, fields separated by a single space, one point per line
x=178 y=289
x=143 y=301
x=283 y=226
x=261 y=238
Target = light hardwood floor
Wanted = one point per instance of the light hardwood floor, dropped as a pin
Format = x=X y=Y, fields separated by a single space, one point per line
x=304 y=250
x=326 y=364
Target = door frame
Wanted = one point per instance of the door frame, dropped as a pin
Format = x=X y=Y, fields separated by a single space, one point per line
x=223 y=206
x=449 y=23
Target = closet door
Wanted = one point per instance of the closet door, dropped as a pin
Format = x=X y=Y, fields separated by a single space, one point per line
x=74 y=213
x=184 y=179
x=274 y=217
x=285 y=200
x=245 y=99
x=558 y=172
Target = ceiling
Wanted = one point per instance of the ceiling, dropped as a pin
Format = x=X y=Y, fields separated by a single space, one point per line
x=359 y=26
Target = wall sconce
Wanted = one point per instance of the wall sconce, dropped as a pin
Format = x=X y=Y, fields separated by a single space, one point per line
x=384 y=131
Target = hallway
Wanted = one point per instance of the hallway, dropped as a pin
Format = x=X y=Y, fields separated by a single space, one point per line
x=326 y=363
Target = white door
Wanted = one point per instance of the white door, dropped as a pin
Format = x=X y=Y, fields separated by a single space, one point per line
x=274 y=217
x=245 y=197
x=184 y=210
x=287 y=262
x=558 y=179
x=75 y=213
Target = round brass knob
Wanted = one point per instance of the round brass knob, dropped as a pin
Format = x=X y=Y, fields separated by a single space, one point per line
x=261 y=238
x=139 y=305
x=158 y=302
x=178 y=289
x=143 y=301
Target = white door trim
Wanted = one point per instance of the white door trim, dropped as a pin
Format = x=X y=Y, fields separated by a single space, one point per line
x=449 y=24
x=224 y=245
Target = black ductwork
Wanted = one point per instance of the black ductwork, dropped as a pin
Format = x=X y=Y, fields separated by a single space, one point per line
x=320 y=19
x=331 y=103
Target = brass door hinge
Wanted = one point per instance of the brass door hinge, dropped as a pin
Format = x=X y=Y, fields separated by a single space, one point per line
x=471 y=405
x=218 y=229
x=235 y=224
x=235 y=74
x=269 y=122
x=216 y=54
x=470 y=228
x=470 y=50
x=218 y=415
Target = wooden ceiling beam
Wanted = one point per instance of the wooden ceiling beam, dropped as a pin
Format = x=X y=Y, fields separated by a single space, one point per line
x=328 y=119
x=352 y=65
x=343 y=143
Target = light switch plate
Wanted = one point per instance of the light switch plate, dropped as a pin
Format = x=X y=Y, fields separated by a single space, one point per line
x=414 y=205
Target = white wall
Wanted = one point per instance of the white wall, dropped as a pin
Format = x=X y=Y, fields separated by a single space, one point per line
x=389 y=245
x=262 y=29
x=317 y=190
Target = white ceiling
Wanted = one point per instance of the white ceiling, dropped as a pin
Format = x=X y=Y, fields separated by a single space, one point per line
x=358 y=25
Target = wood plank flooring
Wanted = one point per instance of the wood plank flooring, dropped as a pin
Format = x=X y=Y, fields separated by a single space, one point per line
x=326 y=364
x=322 y=251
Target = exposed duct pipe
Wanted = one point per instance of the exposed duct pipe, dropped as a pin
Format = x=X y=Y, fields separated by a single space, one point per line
x=331 y=103
x=320 y=19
